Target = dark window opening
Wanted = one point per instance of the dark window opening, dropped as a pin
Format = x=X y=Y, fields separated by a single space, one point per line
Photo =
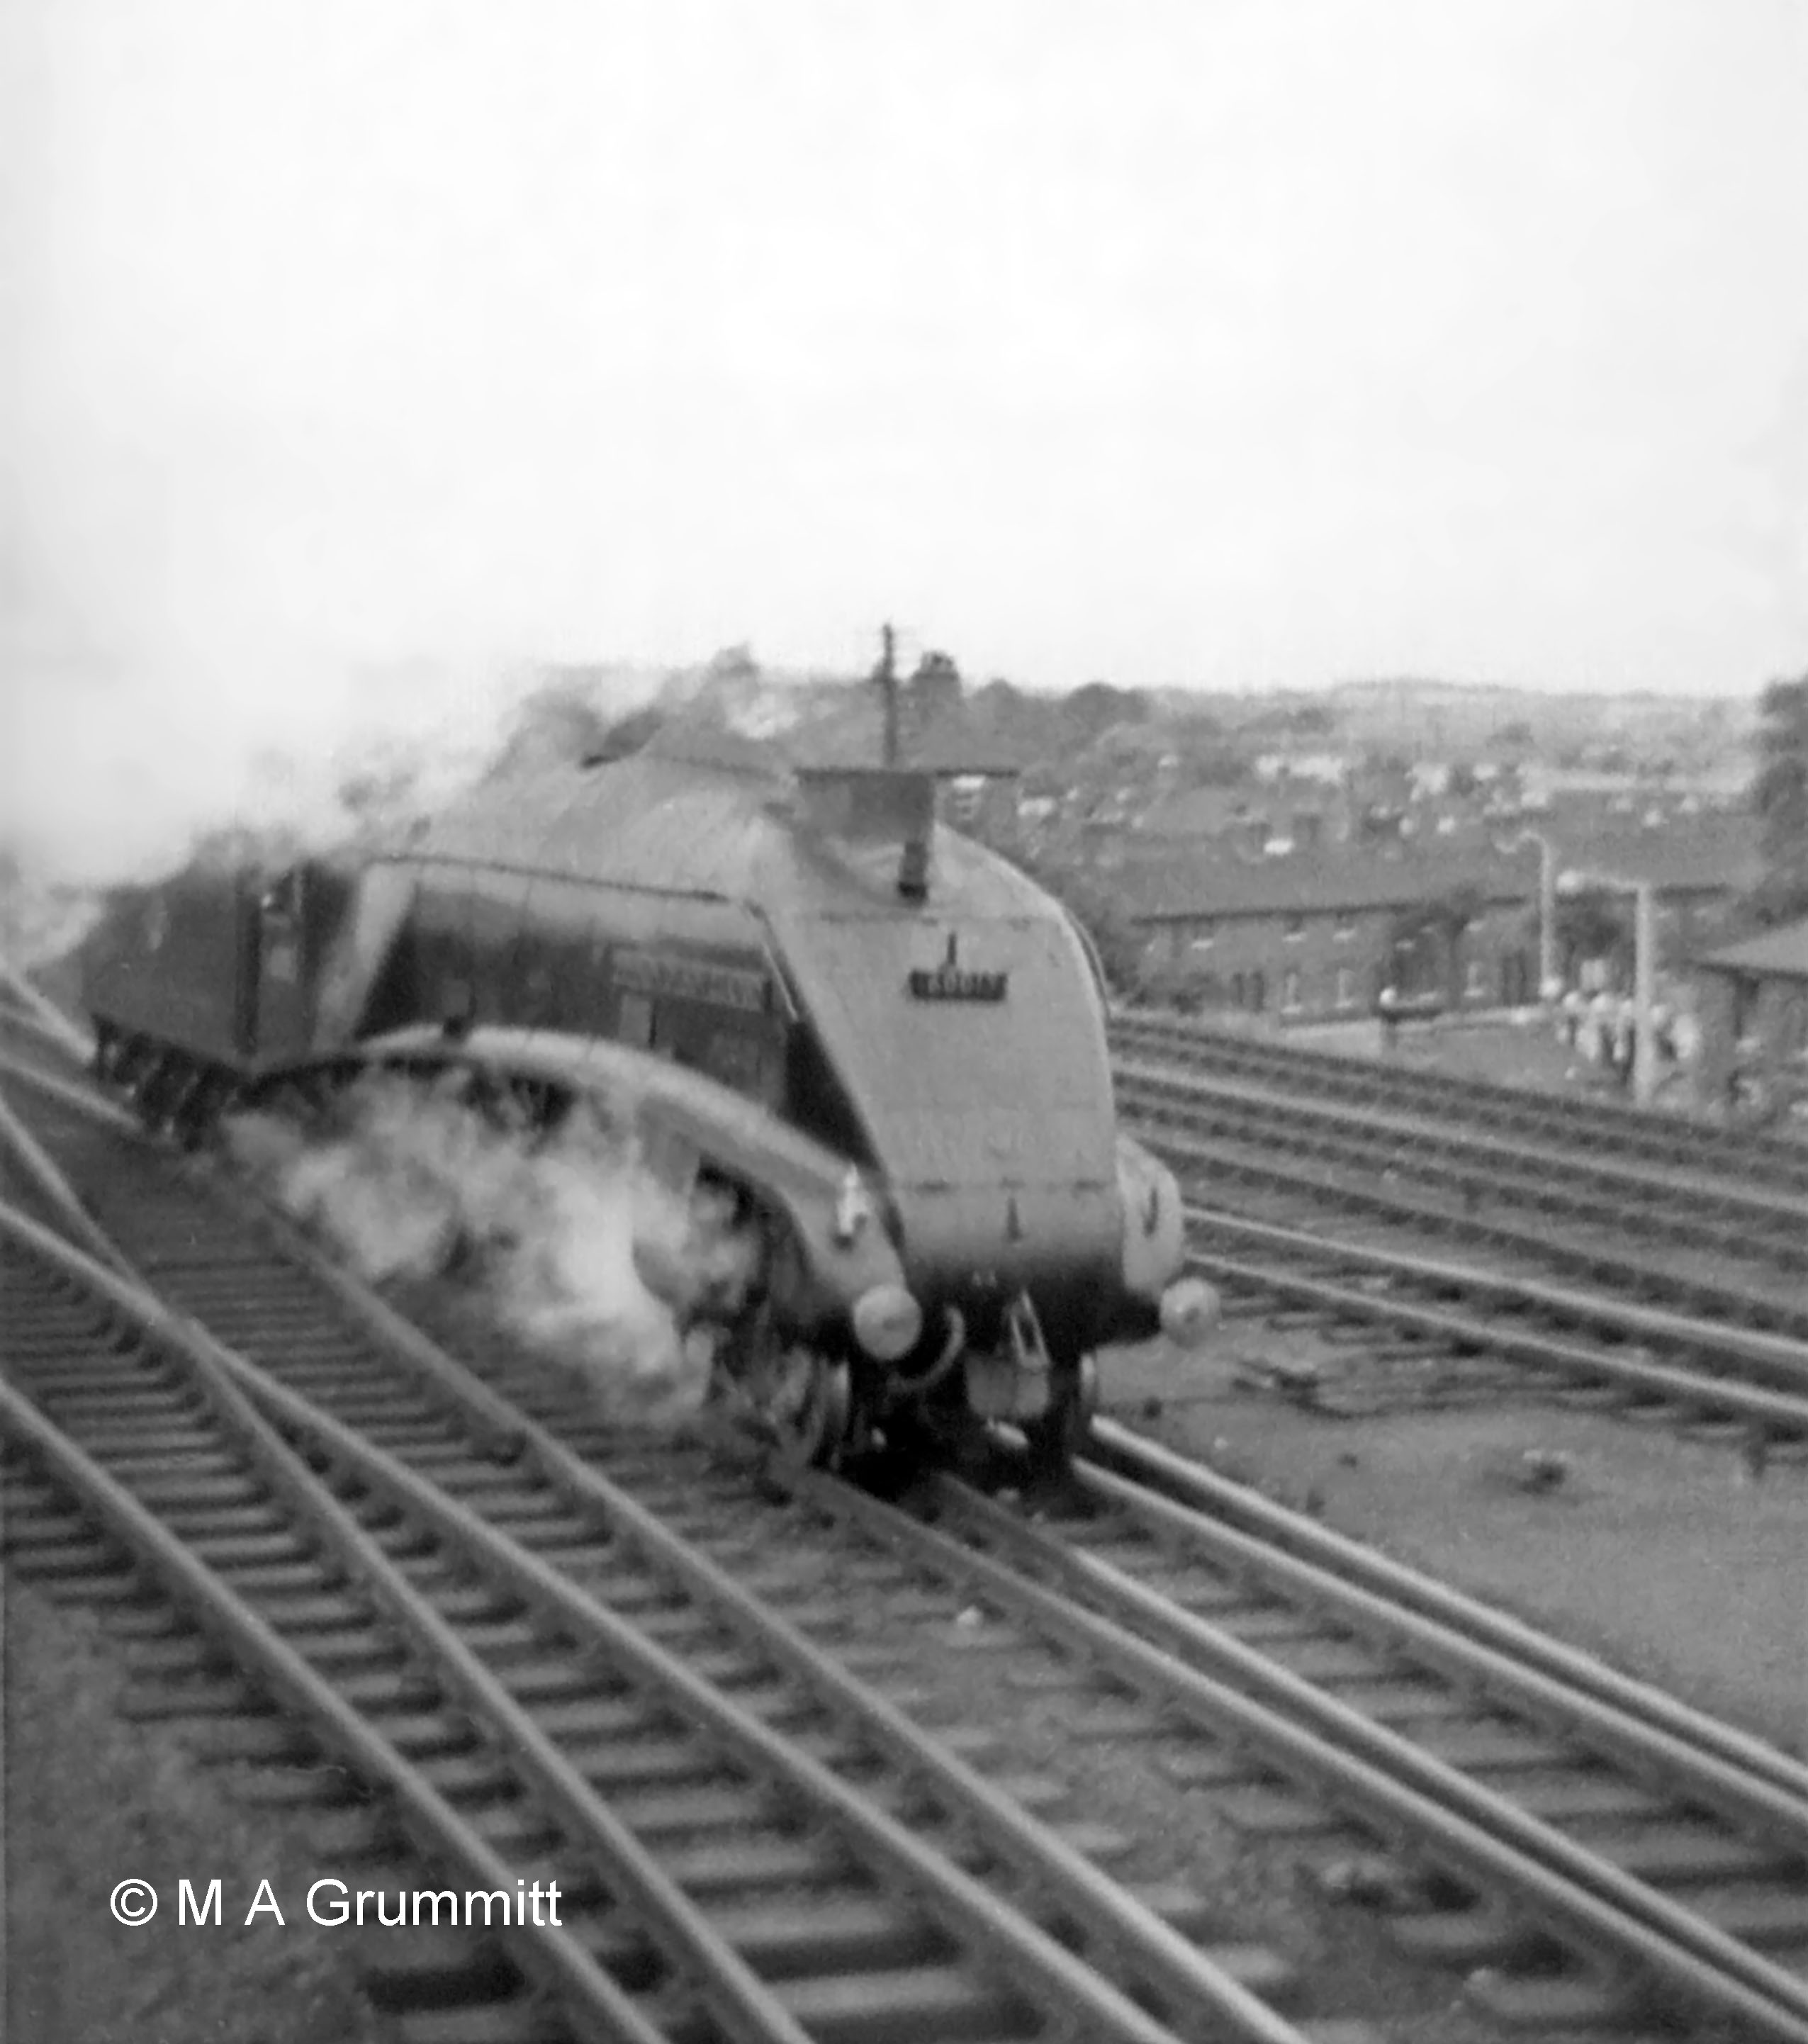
x=634 y=1027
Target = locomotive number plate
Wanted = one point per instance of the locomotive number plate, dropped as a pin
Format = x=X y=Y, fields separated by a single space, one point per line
x=956 y=983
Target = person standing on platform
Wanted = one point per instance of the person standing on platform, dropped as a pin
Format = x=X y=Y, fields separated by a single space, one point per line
x=1389 y=1009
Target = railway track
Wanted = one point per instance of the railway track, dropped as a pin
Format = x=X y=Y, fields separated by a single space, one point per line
x=748 y=1839
x=1289 y=1189
x=1600 y=1852
x=1487 y=1174
x=1597 y=1854
x=1419 y=1328
x=1747 y=1156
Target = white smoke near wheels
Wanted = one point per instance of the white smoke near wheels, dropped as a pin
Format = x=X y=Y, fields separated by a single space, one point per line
x=552 y=1238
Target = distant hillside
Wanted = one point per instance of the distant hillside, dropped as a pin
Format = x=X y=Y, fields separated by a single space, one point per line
x=1413 y=719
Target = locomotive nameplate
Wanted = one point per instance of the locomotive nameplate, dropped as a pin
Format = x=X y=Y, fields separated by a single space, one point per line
x=721 y=986
x=956 y=983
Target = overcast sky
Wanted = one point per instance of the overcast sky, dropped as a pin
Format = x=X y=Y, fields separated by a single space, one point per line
x=1186 y=341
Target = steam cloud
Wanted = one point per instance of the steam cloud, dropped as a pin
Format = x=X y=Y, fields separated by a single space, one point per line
x=101 y=793
x=553 y=1238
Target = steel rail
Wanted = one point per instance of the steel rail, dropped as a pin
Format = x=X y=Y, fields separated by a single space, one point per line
x=1184 y=1631
x=731 y=1989
x=1664 y=1139
x=1737 y=1948
x=1764 y=1804
x=256 y=1645
x=80 y=1094
x=1409 y=1589
x=1773 y=1358
x=1483 y=1192
x=1180 y=1969
x=502 y=1425
x=1584 y=1180
x=1161 y=1957
x=496 y=1423
x=1361 y=1765
x=1775 y=1410
x=1166 y=1960
x=1202 y=1161
x=41 y=1014
x=22 y=1147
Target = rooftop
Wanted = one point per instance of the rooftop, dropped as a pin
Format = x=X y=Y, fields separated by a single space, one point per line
x=1714 y=849
x=1781 y=953
x=1213 y=882
x=1705 y=852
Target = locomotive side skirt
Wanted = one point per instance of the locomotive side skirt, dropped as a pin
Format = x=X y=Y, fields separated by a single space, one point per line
x=674 y=1112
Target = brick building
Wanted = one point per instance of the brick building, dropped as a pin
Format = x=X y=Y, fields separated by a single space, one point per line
x=1314 y=936
x=1753 y=1001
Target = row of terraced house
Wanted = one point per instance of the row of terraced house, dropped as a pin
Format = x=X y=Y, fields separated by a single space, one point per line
x=1301 y=898
x=1316 y=934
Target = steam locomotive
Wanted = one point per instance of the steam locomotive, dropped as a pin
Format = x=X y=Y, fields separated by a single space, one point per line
x=877 y=1044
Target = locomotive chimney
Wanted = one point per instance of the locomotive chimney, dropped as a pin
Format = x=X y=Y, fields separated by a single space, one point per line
x=913 y=869
x=877 y=805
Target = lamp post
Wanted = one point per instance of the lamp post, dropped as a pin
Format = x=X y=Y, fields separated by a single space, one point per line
x=1643 y=993
x=1548 y=988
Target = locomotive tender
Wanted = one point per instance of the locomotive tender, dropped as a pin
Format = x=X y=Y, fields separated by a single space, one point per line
x=881 y=1044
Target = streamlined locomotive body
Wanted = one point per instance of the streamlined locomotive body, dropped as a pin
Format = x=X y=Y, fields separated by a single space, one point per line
x=878 y=1047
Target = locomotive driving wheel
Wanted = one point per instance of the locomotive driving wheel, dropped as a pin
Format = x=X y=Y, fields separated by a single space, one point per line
x=807 y=1406
x=795 y=1400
